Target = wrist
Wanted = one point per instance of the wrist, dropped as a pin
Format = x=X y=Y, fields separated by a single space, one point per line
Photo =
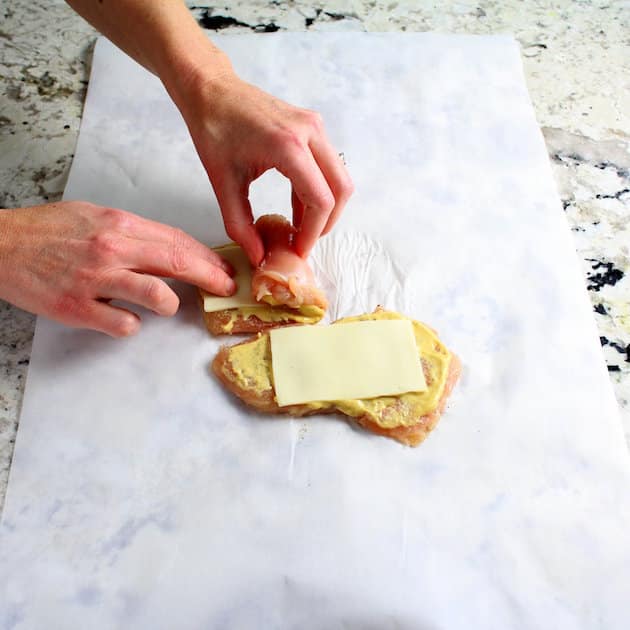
x=195 y=73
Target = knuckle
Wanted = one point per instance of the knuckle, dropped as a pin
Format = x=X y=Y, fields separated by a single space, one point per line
x=117 y=219
x=64 y=305
x=153 y=291
x=315 y=121
x=126 y=326
x=324 y=201
x=70 y=309
x=104 y=245
x=289 y=139
x=159 y=297
x=179 y=261
x=83 y=278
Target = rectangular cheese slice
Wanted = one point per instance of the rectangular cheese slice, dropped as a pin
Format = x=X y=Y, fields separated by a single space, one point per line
x=243 y=278
x=362 y=359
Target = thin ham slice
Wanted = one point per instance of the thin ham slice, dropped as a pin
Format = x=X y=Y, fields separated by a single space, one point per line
x=283 y=277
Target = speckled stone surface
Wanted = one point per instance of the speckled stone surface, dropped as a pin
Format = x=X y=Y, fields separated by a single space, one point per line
x=577 y=62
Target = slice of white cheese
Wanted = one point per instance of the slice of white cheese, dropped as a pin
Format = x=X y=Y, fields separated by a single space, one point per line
x=362 y=359
x=243 y=278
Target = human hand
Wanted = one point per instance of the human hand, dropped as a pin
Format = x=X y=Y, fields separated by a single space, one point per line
x=67 y=260
x=240 y=132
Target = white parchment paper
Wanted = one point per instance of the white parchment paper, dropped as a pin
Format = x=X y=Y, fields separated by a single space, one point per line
x=143 y=496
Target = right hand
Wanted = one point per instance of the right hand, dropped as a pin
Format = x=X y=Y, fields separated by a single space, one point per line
x=240 y=132
x=67 y=260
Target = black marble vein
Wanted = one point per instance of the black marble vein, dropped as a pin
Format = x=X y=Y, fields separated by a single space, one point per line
x=604 y=273
x=621 y=349
x=218 y=22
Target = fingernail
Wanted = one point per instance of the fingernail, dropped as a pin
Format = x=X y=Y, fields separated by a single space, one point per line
x=230 y=286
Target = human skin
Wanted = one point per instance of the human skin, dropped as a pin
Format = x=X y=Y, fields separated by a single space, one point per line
x=66 y=261
x=239 y=132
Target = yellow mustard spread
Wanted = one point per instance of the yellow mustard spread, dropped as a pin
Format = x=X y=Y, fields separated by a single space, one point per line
x=252 y=364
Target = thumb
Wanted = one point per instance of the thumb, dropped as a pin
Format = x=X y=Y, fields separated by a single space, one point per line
x=239 y=221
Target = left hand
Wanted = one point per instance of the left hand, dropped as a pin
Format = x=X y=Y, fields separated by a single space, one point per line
x=68 y=260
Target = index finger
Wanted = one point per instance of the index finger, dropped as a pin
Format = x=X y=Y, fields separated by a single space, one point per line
x=313 y=191
x=332 y=165
x=143 y=229
x=172 y=260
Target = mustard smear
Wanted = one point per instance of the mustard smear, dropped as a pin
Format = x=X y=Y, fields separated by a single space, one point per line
x=251 y=362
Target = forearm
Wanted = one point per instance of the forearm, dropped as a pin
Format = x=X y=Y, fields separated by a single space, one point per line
x=4 y=248
x=239 y=131
x=161 y=35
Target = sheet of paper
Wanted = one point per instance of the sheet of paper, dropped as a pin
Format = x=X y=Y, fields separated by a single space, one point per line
x=142 y=495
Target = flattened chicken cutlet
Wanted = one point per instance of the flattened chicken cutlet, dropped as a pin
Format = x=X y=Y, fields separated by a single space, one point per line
x=255 y=319
x=245 y=370
x=283 y=287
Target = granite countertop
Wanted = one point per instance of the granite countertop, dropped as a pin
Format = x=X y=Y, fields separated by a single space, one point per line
x=577 y=63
